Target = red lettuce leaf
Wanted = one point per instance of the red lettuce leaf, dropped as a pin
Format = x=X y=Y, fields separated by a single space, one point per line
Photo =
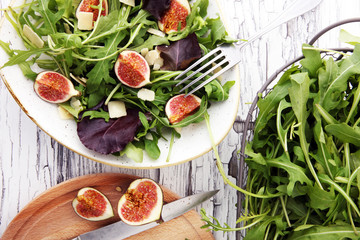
x=178 y=55
x=109 y=137
x=156 y=8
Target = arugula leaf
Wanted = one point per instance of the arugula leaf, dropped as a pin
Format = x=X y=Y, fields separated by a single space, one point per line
x=312 y=61
x=24 y=65
x=334 y=232
x=259 y=231
x=299 y=94
x=65 y=6
x=107 y=27
x=50 y=19
x=152 y=148
x=320 y=199
x=347 y=37
x=218 y=93
x=20 y=56
x=268 y=107
x=349 y=66
x=296 y=173
x=282 y=133
x=344 y=133
x=97 y=114
x=217 y=33
x=151 y=42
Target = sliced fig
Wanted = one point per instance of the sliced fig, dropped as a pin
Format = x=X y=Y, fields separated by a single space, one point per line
x=92 y=205
x=142 y=203
x=180 y=107
x=174 y=16
x=132 y=69
x=54 y=87
x=91 y=6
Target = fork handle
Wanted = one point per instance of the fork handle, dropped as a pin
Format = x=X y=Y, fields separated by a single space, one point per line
x=296 y=8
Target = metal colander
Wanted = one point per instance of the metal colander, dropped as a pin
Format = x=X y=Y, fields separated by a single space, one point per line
x=249 y=123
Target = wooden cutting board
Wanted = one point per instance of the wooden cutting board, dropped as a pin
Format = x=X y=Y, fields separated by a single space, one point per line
x=51 y=215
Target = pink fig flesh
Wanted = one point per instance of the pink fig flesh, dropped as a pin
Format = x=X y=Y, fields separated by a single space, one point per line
x=180 y=107
x=142 y=203
x=132 y=69
x=54 y=87
x=176 y=15
x=87 y=6
x=92 y=205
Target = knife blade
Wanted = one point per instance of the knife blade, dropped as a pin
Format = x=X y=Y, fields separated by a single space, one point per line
x=120 y=230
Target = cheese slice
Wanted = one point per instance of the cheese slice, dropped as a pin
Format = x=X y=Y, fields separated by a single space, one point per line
x=85 y=20
x=146 y=94
x=32 y=36
x=156 y=32
x=151 y=56
x=129 y=2
x=117 y=109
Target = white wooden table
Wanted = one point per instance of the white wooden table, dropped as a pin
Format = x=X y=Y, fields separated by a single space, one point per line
x=31 y=162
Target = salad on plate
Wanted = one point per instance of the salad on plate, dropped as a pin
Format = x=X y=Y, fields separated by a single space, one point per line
x=110 y=65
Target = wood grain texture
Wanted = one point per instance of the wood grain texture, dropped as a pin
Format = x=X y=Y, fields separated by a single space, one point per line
x=51 y=215
x=31 y=162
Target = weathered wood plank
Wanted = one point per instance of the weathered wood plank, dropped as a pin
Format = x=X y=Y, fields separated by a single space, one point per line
x=30 y=161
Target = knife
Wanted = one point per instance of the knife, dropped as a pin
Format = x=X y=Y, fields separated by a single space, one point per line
x=121 y=230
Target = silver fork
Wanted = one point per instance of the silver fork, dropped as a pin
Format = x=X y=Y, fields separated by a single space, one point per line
x=230 y=54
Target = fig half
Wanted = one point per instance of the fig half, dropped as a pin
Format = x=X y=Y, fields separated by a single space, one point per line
x=54 y=87
x=174 y=16
x=132 y=69
x=92 y=205
x=180 y=107
x=142 y=203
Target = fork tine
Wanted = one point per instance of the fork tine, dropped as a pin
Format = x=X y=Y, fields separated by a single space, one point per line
x=210 y=79
x=204 y=74
x=200 y=69
x=209 y=54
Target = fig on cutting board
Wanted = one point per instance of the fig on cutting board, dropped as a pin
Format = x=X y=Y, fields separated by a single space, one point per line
x=175 y=16
x=88 y=12
x=132 y=69
x=54 y=87
x=142 y=203
x=180 y=107
x=92 y=205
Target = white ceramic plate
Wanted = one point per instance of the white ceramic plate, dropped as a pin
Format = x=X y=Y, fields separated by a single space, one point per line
x=195 y=139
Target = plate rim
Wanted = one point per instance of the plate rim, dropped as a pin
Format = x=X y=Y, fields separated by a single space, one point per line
x=235 y=88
